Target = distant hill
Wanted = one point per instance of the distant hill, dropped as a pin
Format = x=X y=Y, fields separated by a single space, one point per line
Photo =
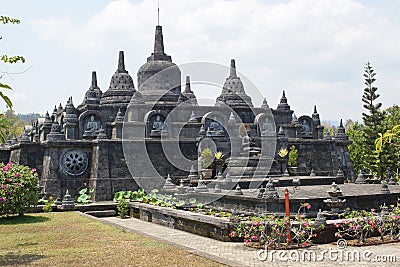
x=29 y=118
x=332 y=123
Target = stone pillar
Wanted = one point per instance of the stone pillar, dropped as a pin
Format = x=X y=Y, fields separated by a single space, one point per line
x=71 y=130
x=51 y=181
x=116 y=130
x=100 y=179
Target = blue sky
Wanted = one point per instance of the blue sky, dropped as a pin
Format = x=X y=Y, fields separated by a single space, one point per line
x=313 y=49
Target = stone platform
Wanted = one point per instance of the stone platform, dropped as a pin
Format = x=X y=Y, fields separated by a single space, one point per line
x=358 y=196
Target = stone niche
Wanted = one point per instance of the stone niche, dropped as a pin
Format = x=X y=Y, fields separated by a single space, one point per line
x=156 y=123
x=307 y=127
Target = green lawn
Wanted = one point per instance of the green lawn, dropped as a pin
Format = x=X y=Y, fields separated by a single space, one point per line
x=68 y=239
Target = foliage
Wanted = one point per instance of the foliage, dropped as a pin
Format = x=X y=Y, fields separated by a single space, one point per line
x=84 y=197
x=153 y=198
x=6 y=59
x=13 y=126
x=218 y=155
x=122 y=207
x=18 y=189
x=356 y=149
x=372 y=119
x=47 y=204
x=207 y=158
x=293 y=155
x=271 y=231
x=387 y=137
x=357 y=224
x=361 y=224
x=283 y=152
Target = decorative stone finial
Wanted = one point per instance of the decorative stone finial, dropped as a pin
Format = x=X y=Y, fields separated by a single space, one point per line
x=169 y=185
x=238 y=190
x=217 y=188
x=385 y=188
x=187 y=87
x=121 y=62
x=281 y=132
x=201 y=186
x=264 y=104
x=360 y=179
x=283 y=105
x=24 y=137
x=294 y=119
x=231 y=119
x=120 y=116
x=384 y=209
x=102 y=133
x=192 y=174
x=158 y=41
x=192 y=117
x=94 y=81
x=232 y=72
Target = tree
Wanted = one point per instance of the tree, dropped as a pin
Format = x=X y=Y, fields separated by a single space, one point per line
x=4 y=124
x=355 y=132
x=16 y=125
x=372 y=119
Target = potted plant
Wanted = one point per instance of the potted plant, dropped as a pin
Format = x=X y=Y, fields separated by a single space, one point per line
x=207 y=158
x=292 y=162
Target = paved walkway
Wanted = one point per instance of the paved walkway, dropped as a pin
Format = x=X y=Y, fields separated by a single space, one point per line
x=236 y=254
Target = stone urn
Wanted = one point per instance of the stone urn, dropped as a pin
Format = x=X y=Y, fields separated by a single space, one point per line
x=218 y=164
x=292 y=171
x=206 y=173
x=284 y=169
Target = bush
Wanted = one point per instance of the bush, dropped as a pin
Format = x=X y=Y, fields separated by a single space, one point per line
x=18 y=189
x=293 y=155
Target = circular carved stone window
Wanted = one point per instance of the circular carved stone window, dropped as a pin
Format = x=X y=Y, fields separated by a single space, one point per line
x=74 y=162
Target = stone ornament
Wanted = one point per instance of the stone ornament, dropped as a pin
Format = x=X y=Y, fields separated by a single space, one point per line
x=74 y=162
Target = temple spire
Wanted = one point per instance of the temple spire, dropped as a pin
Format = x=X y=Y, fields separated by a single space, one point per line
x=158 y=13
x=94 y=80
x=159 y=42
x=233 y=69
x=121 y=62
x=315 y=109
x=187 y=88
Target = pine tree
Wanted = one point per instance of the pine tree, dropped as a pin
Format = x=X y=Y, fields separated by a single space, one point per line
x=372 y=119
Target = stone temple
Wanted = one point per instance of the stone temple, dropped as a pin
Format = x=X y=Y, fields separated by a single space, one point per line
x=119 y=137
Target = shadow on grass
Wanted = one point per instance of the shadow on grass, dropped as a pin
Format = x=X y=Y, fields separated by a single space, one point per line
x=12 y=258
x=26 y=219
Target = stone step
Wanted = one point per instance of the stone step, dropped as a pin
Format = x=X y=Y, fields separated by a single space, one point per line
x=102 y=213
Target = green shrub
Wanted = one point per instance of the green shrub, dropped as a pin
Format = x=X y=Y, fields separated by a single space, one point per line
x=122 y=207
x=293 y=155
x=18 y=189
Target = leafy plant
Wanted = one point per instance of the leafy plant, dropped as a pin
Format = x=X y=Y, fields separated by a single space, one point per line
x=47 y=204
x=283 y=152
x=387 y=137
x=207 y=158
x=293 y=155
x=272 y=230
x=122 y=207
x=84 y=198
x=19 y=190
x=219 y=155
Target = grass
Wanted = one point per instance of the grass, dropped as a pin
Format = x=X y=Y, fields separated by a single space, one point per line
x=68 y=239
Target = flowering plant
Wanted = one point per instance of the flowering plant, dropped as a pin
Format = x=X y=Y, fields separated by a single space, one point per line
x=357 y=224
x=18 y=188
x=271 y=231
